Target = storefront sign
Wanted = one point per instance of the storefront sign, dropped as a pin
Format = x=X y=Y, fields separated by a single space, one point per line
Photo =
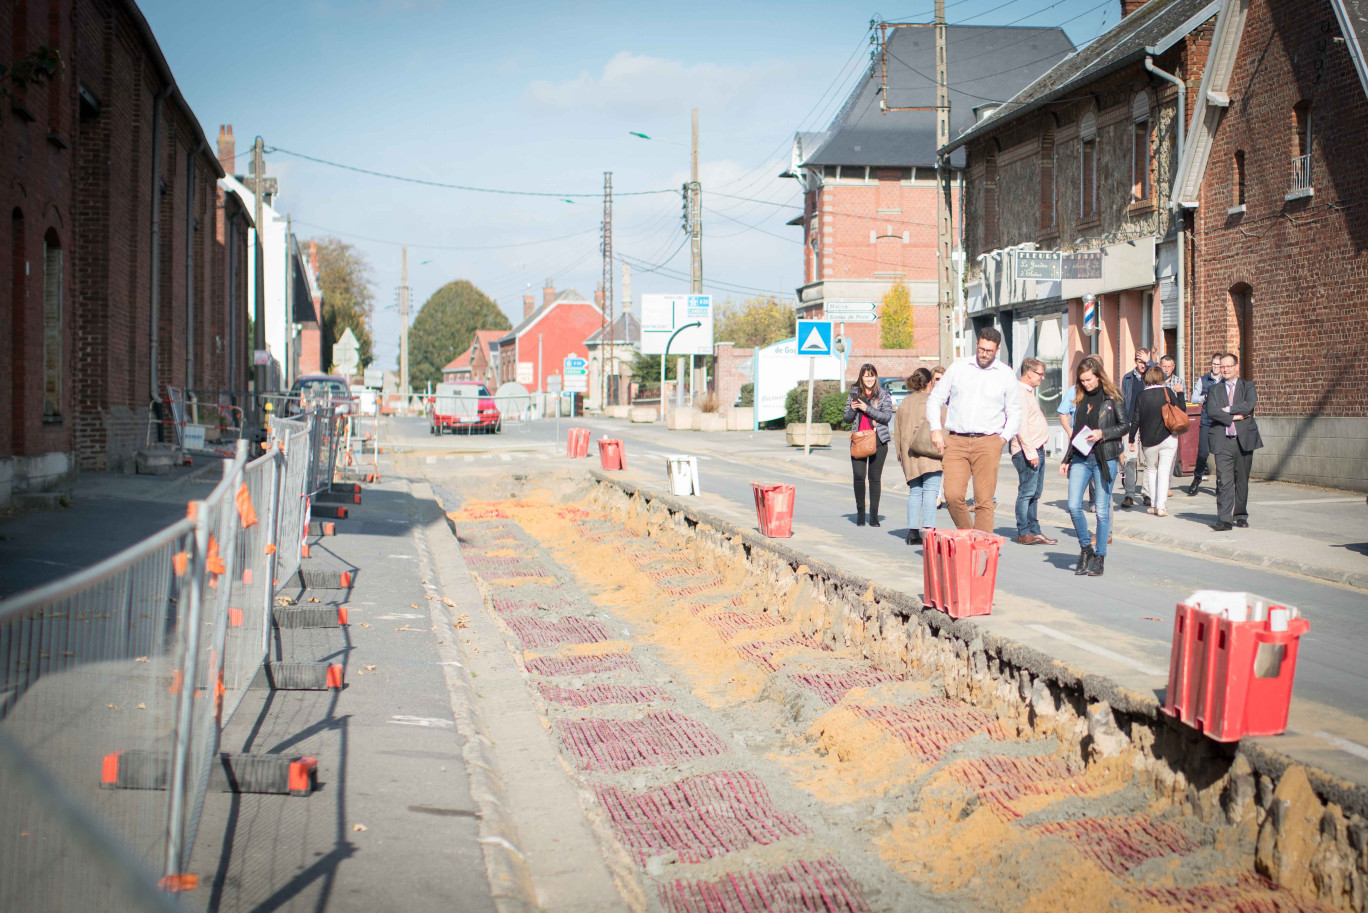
x=1083 y=265
x=1038 y=264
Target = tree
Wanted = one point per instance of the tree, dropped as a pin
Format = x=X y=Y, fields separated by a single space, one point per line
x=754 y=322
x=445 y=327
x=895 y=321
x=348 y=298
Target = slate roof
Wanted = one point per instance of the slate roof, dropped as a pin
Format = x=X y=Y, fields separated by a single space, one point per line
x=984 y=63
x=626 y=330
x=1153 y=28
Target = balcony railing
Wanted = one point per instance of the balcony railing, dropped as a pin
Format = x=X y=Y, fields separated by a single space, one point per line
x=1301 y=173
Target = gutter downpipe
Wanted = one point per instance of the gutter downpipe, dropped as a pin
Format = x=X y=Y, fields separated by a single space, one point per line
x=1177 y=208
x=154 y=267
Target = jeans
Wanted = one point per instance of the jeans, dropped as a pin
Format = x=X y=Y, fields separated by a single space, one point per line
x=1030 y=486
x=1159 y=460
x=922 y=494
x=1081 y=472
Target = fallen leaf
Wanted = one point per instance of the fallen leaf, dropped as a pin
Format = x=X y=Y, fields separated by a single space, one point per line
x=111 y=707
x=413 y=605
x=369 y=668
x=404 y=628
x=284 y=600
x=448 y=602
x=313 y=599
x=142 y=659
x=424 y=581
x=364 y=625
x=358 y=827
x=1148 y=618
x=462 y=621
x=142 y=706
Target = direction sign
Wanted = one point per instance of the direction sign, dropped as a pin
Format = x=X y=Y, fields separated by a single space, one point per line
x=573 y=362
x=862 y=317
x=848 y=307
x=814 y=337
x=577 y=383
x=553 y=384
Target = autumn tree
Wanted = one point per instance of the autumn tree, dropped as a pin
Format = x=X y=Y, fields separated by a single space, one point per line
x=445 y=327
x=895 y=321
x=754 y=322
x=344 y=277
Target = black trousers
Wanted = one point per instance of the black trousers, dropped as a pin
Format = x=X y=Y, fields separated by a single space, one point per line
x=870 y=468
x=1203 y=448
x=1232 y=480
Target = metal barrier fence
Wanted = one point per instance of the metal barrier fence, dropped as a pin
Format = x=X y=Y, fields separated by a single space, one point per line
x=116 y=682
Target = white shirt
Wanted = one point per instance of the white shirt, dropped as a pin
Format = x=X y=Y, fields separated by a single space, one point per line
x=979 y=400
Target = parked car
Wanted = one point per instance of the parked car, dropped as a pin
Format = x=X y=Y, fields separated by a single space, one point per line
x=896 y=387
x=463 y=406
x=317 y=386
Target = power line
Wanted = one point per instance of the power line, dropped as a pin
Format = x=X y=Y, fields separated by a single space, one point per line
x=427 y=183
x=348 y=234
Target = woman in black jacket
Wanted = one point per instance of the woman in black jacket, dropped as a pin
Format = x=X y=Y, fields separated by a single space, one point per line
x=1100 y=424
x=1159 y=444
x=869 y=407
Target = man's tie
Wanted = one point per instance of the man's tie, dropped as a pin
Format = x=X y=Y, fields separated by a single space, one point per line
x=1230 y=398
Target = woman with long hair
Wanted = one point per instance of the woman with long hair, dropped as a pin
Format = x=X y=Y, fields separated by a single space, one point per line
x=870 y=407
x=1100 y=424
x=1159 y=444
x=920 y=460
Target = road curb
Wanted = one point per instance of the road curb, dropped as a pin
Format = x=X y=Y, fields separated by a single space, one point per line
x=510 y=880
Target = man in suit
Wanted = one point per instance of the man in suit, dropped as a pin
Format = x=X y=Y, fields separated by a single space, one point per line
x=1232 y=438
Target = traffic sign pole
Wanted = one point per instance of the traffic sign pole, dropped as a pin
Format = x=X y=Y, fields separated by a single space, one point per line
x=807 y=434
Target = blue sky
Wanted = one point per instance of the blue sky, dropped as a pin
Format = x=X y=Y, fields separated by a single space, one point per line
x=541 y=98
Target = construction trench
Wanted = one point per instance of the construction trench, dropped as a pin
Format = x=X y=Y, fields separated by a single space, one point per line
x=748 y=729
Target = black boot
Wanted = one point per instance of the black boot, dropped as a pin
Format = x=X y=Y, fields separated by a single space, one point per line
x=914 y=537
x=1196 y=482
x=860 y=517
x=874 y=492
x=1084 y=560
x=873 y=519
x=1096 y=565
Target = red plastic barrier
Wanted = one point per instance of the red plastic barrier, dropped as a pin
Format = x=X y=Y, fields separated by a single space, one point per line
x=933 y=577
x=774 y=509
x=577 y=444
x=967 y=575
x=611 y=454
x=1231 y=679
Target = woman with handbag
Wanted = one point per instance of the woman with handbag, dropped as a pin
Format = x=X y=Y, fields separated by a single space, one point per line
x=1160 y=416
x=869 y=410
x=920 y=460
x=1100 y=423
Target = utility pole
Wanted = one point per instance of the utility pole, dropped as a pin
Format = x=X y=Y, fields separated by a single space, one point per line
x=259 y=312
x=606 y=336
x=695 y=236
x=945 y=292
x=289 y=356
x=403 y=336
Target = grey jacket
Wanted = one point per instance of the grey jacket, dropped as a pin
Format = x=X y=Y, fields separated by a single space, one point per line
x=880 y=413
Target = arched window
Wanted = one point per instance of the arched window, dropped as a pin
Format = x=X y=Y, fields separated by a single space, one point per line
x=1301 y=146
x=1048 y=197
x=1087 y=170
x=1141 y=160
x=1242 y=310
x=52 y=325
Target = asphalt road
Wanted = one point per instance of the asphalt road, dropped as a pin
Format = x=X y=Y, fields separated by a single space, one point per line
x=1118 y=625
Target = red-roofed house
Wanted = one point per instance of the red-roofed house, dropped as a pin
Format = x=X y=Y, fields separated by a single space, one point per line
x=547 y=336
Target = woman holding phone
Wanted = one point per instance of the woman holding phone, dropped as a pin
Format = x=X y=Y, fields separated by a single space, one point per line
x=869 y=408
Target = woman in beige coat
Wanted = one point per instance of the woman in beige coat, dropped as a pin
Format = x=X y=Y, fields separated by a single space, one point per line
x=921 y=462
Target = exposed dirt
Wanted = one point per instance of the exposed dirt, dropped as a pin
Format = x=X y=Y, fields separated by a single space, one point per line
x=736 y=756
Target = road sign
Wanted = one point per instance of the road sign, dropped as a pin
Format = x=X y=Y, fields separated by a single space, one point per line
x=525 y=372
x=347 y=353
x=661 y=315
x=553 y=384
x=577 y=383
x=847 y=307
x=860 y=317
x=573 y=362
x=814 y=337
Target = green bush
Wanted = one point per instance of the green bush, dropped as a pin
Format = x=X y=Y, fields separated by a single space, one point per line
x=747 y=395
x=832 y=409
x=795 y=404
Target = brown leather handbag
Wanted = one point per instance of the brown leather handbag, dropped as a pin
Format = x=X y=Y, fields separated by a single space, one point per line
x=1176 y=419
x=863 y=444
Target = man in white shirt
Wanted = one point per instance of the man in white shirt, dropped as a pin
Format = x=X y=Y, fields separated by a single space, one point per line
x=983 y=411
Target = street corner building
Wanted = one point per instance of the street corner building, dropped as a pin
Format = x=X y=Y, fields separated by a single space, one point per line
x=124 y=266
x=1192 y=181
x=870 y=179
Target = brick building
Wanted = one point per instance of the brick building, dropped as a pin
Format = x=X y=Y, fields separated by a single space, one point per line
x=476 y=362
x=869 y=181
x=1275 y=176
x=1067 y=197
x=123 y=257
x=547 y=335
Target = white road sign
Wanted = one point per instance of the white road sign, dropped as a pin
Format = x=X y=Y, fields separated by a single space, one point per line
x=525 y=372
x=661 y=315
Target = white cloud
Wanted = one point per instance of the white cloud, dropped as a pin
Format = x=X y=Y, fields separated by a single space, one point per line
x=636 y=83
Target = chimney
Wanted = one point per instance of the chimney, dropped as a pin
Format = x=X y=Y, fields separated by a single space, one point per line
x=313 y=257
x=548 y=294
x=529 y=305
x=598 y=297
x=1130 y=6
x=227 y=149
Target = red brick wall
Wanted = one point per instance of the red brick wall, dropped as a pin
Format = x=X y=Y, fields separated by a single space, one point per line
x=1304 y=260
x=563 y=330
x=84 y=177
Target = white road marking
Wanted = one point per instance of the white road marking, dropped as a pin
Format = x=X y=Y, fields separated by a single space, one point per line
x=487 y=456
x=410 y=557
x=1094 y=649
x=398 y=616
x=426 y=722
x=1353 y=748
x=431 y=459
x=1307 y=501
x=469 y=458
x=505 y=457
